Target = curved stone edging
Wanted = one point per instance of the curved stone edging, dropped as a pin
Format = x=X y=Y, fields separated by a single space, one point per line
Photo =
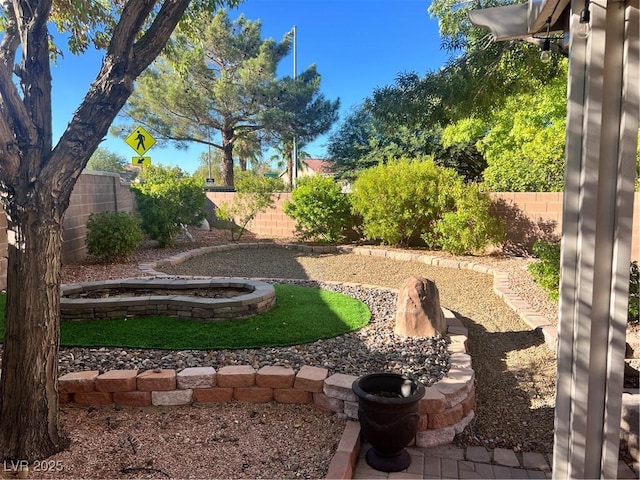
x=501 y=286
x=446 y=409
x=260 y=297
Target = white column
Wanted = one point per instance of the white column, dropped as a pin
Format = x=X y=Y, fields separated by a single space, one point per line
x=602 y=127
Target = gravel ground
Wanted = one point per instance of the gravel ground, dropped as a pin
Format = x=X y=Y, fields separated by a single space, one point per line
x=219 y=441
x=515 y=371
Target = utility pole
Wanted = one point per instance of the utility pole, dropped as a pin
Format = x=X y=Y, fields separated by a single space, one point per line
x=294 y=176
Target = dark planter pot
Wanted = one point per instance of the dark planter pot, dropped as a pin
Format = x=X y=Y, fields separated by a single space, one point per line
x=388 y=414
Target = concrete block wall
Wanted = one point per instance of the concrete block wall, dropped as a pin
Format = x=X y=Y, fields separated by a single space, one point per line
x=272 y=223
x=528 y=216
x=94 y=192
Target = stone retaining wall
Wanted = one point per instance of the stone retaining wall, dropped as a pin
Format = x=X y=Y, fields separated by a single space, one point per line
x=446 y=409
x=260 y=298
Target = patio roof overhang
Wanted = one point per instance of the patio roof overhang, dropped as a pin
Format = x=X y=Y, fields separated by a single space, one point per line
x=522 y=21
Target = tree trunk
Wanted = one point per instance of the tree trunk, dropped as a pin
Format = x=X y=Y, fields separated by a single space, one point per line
x=29 y=429
x=36 y=182
x=227 y=158
x=242 y=162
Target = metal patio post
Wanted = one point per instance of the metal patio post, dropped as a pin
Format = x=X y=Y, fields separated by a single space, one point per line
x=602 y=127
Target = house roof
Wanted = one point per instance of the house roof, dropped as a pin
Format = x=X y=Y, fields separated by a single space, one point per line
x=318 y=165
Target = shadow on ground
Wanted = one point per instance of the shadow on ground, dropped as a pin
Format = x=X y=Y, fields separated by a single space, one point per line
x=508 y=362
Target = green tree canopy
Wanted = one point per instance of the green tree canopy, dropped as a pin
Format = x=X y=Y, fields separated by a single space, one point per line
x=409 y=116
x=523 y=142
x=302 y=113
x=104 y=160
x=218 y=76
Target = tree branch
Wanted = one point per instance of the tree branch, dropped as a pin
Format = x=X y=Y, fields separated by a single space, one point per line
x=133 y=17
x=10 y=100
x=124 y=61
x=27 y=126
x=152 y=43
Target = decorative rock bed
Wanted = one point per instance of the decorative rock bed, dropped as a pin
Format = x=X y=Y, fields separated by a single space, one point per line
x=167 y=296
x=445 y=409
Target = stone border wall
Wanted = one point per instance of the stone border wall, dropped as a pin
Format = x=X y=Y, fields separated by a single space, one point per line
x=260 y=298
x=446 y=409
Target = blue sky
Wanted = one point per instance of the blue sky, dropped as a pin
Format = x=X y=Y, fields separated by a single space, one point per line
x=357 y=45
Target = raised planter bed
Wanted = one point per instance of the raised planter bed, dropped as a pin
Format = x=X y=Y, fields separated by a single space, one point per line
x=212 y=299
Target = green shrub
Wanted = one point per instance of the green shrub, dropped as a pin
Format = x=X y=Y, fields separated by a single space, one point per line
x=546 y=272
x=113 y=236
x=321 y=211
x=167 y=199
x=254 y=195
x=401 y=200
x=407 y=202
x=634 y=293
x=470 y=227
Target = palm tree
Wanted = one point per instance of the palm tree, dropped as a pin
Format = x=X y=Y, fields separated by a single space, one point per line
x=248 y=150
x=284 y=156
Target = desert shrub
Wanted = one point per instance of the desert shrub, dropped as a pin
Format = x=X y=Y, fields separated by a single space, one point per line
x=113 y=236
x=546 y=272
x=321 y=211
x=254 y=195
x=167 y=199
x=470 y=227
x=401 y=200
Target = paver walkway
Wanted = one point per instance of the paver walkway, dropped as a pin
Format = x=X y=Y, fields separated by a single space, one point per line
x=451 y=462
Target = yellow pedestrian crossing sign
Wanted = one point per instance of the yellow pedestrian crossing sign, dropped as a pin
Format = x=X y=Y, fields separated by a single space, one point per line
x=140 y=140
x=141 y=161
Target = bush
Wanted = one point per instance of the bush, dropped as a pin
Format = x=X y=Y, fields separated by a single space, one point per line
x=401 y=200
x=113 y=236
x=470 y=227
x=254 y=194
x=321 y=211
x=546 y=272
x=411 y=202
x=166 y=200
x=634 y=293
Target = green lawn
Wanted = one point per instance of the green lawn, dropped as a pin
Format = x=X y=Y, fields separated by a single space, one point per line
x=301 y=315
